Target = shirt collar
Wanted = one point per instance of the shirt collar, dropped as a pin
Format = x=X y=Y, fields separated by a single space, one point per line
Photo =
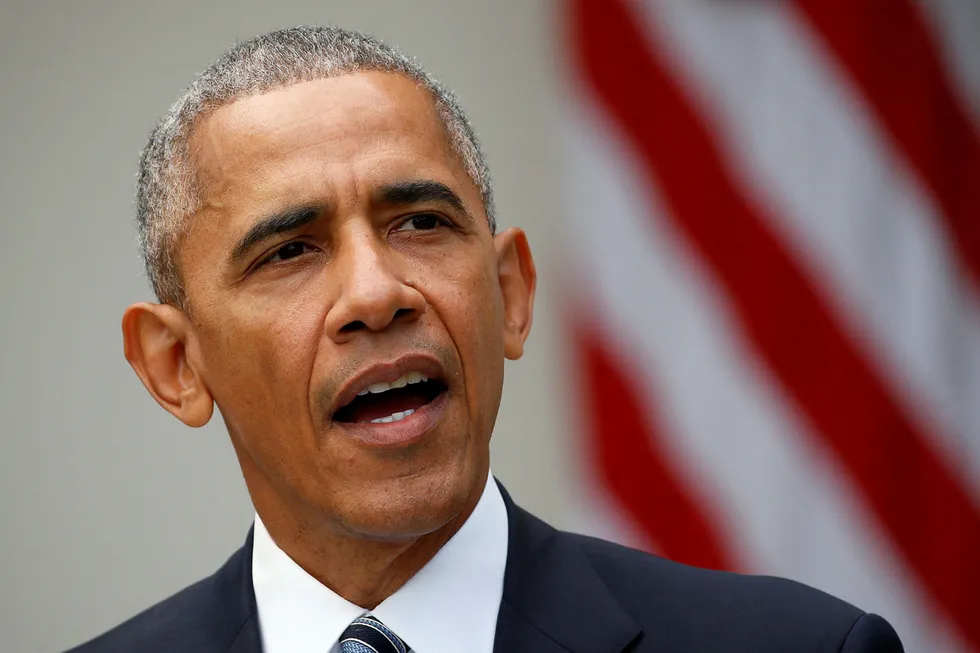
x=450 y=605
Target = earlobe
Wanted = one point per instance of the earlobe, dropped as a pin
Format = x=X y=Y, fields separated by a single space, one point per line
x=517 y=278
x=155 y=340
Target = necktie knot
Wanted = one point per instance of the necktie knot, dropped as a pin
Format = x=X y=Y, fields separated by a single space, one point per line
x=368 y=635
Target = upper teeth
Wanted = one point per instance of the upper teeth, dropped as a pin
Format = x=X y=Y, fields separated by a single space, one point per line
x=411 y=377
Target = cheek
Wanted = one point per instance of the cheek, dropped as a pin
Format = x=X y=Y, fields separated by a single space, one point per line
x=470 y=306
x=262 y=386
x=264 y=354
x=465 y=293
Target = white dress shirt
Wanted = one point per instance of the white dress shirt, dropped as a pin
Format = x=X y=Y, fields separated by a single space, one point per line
x=449 y=606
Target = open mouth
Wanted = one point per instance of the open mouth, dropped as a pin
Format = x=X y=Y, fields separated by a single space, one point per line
x=382 y=403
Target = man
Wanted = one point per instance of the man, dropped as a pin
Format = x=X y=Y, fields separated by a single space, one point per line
x=317 y=221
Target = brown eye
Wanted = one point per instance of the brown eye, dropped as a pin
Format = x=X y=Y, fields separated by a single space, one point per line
x=288 y=251
x=422 y=222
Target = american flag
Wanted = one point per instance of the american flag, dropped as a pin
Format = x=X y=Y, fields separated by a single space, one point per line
x=773 y=223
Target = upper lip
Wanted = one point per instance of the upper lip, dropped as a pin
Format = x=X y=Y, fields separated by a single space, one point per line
x=386 y=373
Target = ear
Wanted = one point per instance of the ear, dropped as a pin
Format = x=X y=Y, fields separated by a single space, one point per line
x=156 y=341
x=517 y=278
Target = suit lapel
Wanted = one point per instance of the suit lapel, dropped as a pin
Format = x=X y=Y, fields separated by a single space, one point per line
x=516 y=633
x=239 y=595
x=554 y=601
x=248 y=639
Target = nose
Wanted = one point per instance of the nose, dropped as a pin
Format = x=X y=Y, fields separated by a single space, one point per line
x=374 y=292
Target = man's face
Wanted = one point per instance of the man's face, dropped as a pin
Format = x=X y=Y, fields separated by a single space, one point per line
x=341 y=244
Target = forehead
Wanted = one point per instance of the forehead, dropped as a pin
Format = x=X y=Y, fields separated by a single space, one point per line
x=288 y=136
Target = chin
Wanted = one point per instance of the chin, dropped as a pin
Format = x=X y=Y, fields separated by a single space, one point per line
x=410 y=507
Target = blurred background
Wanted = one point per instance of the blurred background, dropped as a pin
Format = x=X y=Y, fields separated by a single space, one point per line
x=757 y=338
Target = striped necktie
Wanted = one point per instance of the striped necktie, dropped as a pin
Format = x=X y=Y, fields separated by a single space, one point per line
x=368 y=635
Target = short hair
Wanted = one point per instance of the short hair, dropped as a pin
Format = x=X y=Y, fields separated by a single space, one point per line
x=168 y=190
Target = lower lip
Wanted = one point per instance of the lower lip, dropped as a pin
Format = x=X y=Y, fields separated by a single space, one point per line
x=405 y=431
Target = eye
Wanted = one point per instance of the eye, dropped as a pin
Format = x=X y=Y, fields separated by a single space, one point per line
x=287 y=251
x=422 y=222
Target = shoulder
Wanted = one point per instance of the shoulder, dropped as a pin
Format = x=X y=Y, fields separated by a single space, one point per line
x=632 y=573
x=208 y=615
x=689 y=603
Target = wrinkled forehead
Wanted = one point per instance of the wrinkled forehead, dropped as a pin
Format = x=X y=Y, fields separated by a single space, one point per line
x=340 y=117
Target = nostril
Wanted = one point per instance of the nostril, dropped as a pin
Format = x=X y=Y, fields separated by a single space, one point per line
x=379 y=324
x=351 y=327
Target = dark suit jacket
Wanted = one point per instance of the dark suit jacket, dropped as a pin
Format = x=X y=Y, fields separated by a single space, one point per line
x=562 y=593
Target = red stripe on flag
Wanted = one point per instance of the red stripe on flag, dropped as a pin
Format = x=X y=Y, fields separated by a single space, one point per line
x=919 y=502
x=884 y=46
x=623 y=442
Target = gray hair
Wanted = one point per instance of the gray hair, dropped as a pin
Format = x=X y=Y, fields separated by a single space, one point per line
x=167 y=187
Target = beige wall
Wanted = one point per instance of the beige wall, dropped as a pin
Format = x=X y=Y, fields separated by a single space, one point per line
x=108 y=503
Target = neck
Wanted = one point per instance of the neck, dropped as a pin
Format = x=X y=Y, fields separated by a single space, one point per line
x=364 y=570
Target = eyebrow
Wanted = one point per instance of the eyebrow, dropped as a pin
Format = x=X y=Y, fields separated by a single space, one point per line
x=279 y=223
x=405 y=193
x=401 y=193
